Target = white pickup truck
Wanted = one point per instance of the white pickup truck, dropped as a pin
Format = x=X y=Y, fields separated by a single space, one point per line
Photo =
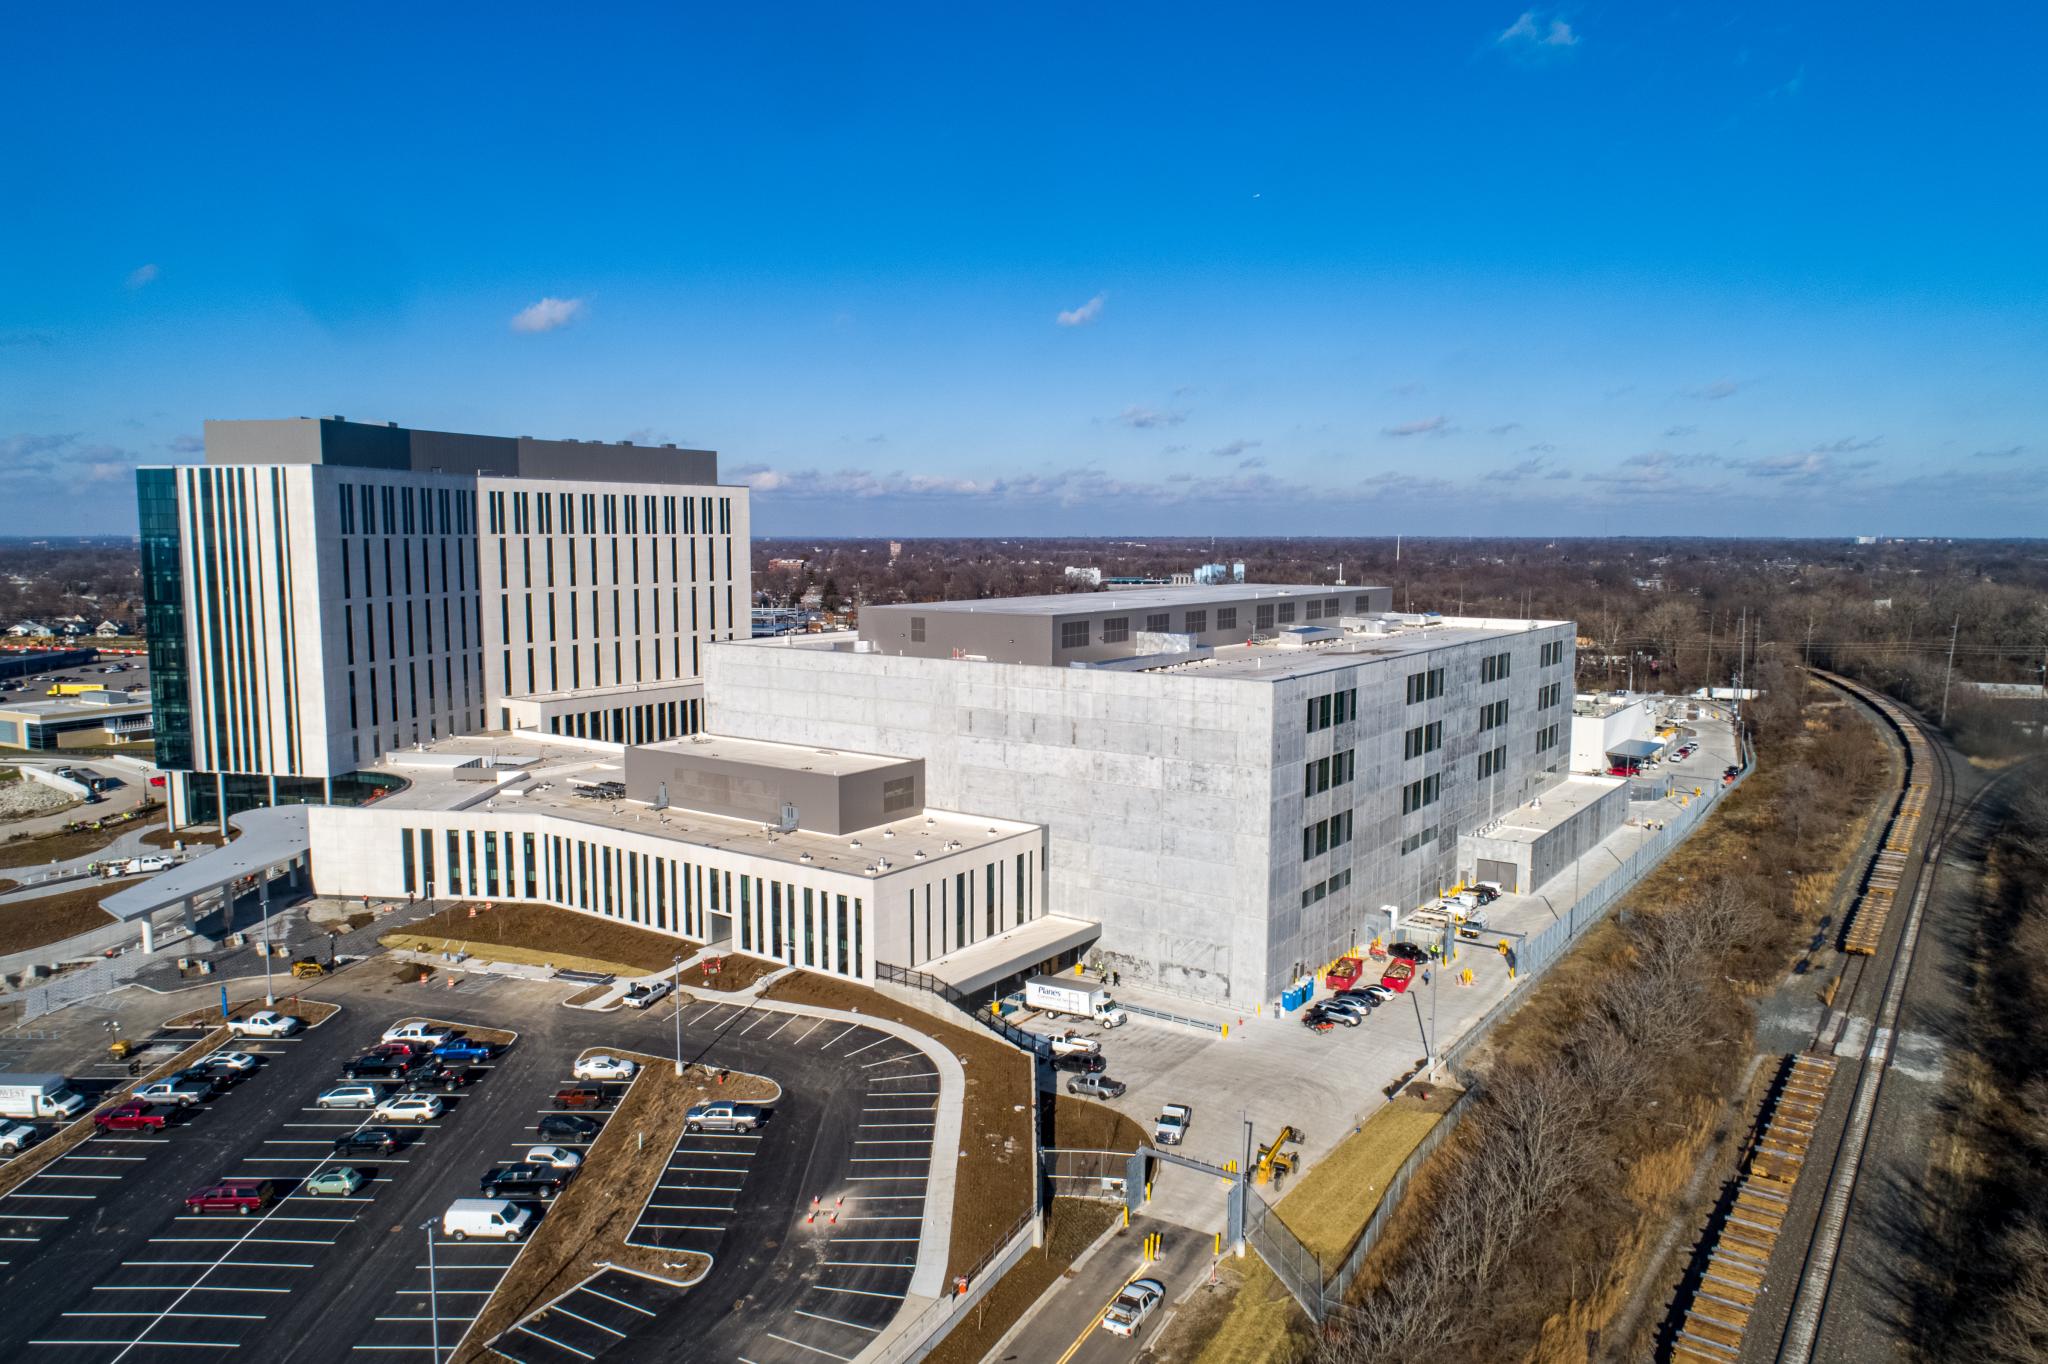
x=1173 y=1124
x=1073 y=1044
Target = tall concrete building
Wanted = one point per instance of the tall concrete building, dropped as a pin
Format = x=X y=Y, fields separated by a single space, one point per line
x=321 y=591
x=1237 y=781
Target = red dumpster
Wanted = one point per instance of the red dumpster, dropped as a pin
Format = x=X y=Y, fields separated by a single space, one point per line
x=1344 y=974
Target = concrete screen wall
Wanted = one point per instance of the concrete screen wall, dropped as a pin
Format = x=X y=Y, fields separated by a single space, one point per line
x=826 y=802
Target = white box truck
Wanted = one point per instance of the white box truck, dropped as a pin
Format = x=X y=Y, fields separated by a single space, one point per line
x=38 y=1096
x=1073 y=995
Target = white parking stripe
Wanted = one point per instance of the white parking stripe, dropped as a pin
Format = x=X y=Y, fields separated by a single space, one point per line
x=869 y=1047
x=589 y=1322
x=807 y=1033
x=597 y=1293
x=812 y=1348
x=863 y=1292
x=819 y=1316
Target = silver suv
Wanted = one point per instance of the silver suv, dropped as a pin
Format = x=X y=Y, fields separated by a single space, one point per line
x=721 y=1116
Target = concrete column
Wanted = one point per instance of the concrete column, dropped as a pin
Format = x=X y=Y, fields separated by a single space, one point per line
x=191 y=919
x=148 y=934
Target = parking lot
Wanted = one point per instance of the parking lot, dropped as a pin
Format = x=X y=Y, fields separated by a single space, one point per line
x=601 y=1313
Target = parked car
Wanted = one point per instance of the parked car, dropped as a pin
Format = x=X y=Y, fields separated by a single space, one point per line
x=1315 y=1020
x=640 y=996
x=602 y=1067
x=376 y=1141
x=524 y=1181
x=1380 y=993
x=464 y=1049
x=569 y=1127
x=132 y=1116
x=417 y=1050
x=242 y=1196
x=444 y=1077
x=558 y=1157
x=1097 y=1087
x=1341 y=1011
x=1137 y=1302
x=267 y=1023
x=337 y=1181
x=16 y=1137
x=490 y=1218
x=408 y=1108
x=350 y=1096
x=1172 y=1127
x=1407 y=951
x=239 y=1061
x=581 y=1096
x=1362 y=995
x=432 y=1034
x=375 y=1067
x=723 y=1116
x=1080 y=1063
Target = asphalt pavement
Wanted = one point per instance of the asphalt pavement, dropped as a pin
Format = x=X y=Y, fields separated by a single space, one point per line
x=105 y=1265
x=1067 y=1328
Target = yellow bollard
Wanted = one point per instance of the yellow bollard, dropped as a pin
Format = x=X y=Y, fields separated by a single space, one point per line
x=1148 y=1191
x=1226 y=1030
x=1127 y=1215
x=1219 y=1243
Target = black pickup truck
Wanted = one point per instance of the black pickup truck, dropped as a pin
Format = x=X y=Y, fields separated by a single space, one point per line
x=524 y=1181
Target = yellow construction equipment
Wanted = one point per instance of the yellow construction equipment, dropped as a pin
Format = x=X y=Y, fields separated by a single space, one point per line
x=1274 y=1161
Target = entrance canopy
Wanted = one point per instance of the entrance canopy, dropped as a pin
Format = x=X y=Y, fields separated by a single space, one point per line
x=270 y=836
x=1636 y=749
x=974 y=968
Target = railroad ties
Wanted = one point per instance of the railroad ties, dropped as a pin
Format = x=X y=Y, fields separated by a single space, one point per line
x=1865 y=925
x=1739 y=1251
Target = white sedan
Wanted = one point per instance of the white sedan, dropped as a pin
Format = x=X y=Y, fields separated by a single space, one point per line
x=604 y=1068
x=268 y=1023
x=554 y=1157
x=240 y=1062
x=1132 y=1306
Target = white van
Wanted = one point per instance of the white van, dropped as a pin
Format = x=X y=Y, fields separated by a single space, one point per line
x=492 y=1219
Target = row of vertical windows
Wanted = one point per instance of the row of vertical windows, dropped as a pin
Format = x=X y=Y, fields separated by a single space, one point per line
x=378 y=509
x=1334 y=709
x=527 y=512
x=1425 y=686
x=643 y=724
x=1422 y=739
x=1494 y=668
x=1551 y=654
x=1322 y=889
x=1493 y=763
x=1493 y=715
x=968 y=907
x=1550 y=695
x=1546 y=738
x=1418 y=794
x=1325 y=834
x=1414 y=841
x=1323 y=773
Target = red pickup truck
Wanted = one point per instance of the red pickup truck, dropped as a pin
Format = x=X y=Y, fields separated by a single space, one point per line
x=1399 y=976
x=130 y=1117
x=232 y=1195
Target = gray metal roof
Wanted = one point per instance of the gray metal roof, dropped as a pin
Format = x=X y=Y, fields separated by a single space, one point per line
x=269 y=835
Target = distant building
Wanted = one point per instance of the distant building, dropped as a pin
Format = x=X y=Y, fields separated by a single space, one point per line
x=1091 y=577
x=895 y=550
x=785 y=565
x=1866 y=539
x=1210 y=574
x=110 y=629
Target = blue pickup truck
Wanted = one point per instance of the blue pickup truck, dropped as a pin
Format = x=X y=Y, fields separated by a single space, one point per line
x=464 y=1049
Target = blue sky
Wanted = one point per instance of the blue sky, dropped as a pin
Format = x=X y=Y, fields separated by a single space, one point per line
x=1714 y=269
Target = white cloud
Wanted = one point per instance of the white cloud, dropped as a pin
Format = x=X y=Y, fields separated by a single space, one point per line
x=547 y=315
x=1083 y=315
x=1531 y=30
x=1428 y=426
x=1719 y=389
x=142 y=276
x=1143 y=418
x=1236 y=448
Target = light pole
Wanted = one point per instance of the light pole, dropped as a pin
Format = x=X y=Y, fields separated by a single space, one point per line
x=263 y=909
x=678 y=1014
x=433 y=1293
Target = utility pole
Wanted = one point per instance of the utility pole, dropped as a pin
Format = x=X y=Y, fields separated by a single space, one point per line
x=1809 y=639
x=433 y=1292
x=1950 y=675
x=1741 y=667
x=678 y=996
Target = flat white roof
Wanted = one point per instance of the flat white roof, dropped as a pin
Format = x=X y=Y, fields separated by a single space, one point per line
x=837 y=762
x=1531 y=820
x=1133 y=598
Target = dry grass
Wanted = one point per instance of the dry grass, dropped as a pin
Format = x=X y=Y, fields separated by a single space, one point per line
x=1329 y=1206
x=589 y=1223
x=996 y=1180
x=589 y=994
x=51 y=918
x=542 y=935
x=1084 y=1125
x=8 y=883
x=33 y=850
x=1248 y=1318
x=190 y=837
x=735 y=972
x=1072 y=1225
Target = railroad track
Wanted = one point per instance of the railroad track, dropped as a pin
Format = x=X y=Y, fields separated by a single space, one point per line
x=1744 y=1237
x=1929 y=811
